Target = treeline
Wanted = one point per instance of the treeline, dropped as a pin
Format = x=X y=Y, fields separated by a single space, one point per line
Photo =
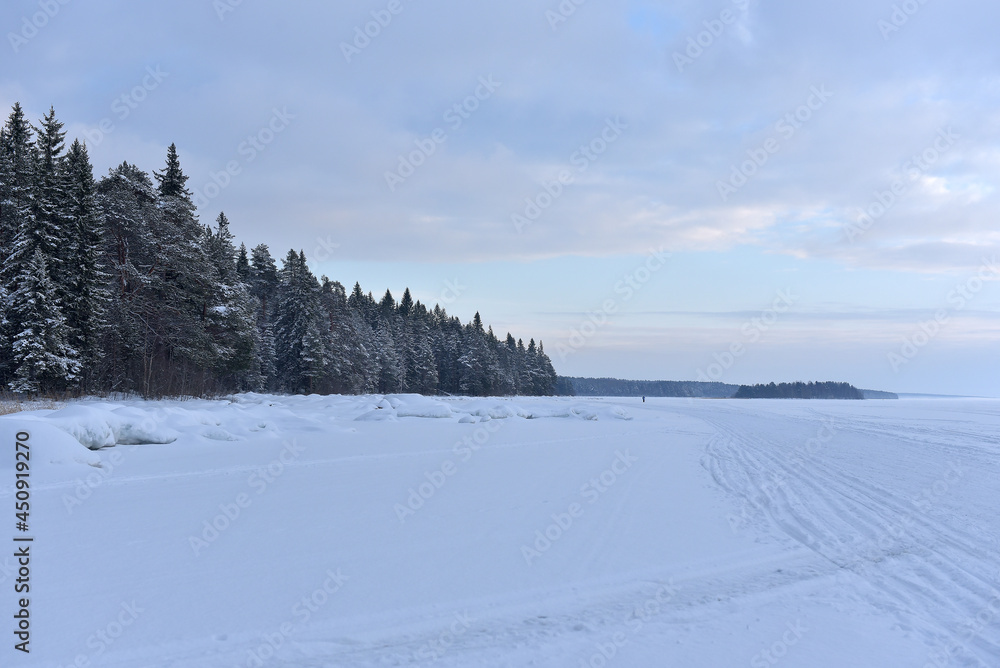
x=828 y=390
x=615 y=387
x=114 y=285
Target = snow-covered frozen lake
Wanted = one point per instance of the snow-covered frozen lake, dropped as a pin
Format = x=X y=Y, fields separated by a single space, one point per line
x=399 y=531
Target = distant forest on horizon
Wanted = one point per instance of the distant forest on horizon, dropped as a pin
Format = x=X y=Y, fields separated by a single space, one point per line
x=617 y=387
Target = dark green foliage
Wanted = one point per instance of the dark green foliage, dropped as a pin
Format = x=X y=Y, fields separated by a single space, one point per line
x=614 y=387
x=85 y=279
x=798 y=390
x=42 y=359
x=115 y=286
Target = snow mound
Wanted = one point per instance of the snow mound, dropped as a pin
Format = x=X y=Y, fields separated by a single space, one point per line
x=414 y=405
x=100 y=427
x=219 y=434
x=493 y=411
x=618 y=413
x=54 y=454
x=377 y=415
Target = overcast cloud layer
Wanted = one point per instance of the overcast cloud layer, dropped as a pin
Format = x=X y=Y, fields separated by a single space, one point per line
x=754 y=134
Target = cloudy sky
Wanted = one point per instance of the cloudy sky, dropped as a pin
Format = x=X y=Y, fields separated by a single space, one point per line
x=744 y=191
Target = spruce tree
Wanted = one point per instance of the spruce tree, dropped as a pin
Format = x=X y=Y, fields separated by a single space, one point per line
x=42 y=359
x=18 y=224
x=297 y=330
x=263 y=286
x=405 y=303
x=231 y=318
x=243 y=265
x=185 y=287
x=390 y=369
x=87 y=296
x=263 y=279
x=421 y=365
x=54 y=236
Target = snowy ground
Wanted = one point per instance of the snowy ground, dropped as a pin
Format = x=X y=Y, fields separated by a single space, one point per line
x=402 y=531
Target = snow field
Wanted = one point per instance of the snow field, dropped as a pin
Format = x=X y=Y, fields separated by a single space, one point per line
x=305 y=531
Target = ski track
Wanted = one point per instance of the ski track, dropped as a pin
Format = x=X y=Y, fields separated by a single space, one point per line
x=935 y=578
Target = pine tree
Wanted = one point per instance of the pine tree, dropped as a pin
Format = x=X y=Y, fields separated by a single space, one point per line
x=128 y=204
x=221 y=250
